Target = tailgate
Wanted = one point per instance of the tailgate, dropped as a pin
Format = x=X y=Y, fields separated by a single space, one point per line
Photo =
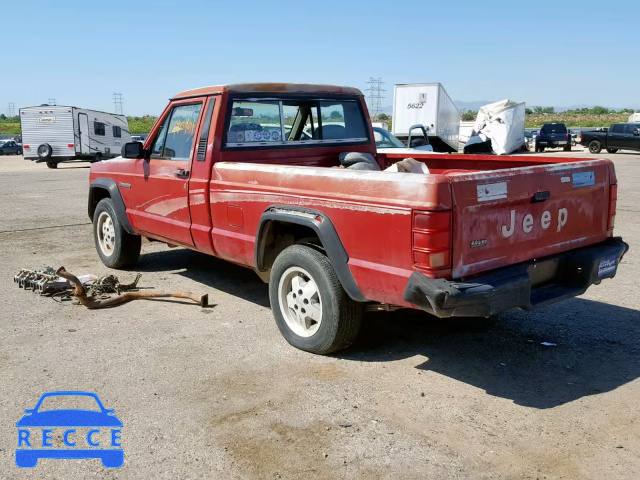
x=510 y=216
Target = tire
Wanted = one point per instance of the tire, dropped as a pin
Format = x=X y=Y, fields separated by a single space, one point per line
x=337 y=318
x=542 y=149
x=52 y=164
x=612 y=150
x=595 y=146
x=567 y=148
x=97 y=158
x=116 y=248
x=44 y=151
x=19 y=152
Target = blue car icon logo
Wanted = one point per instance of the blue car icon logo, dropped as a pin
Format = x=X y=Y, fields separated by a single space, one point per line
x=69 y=433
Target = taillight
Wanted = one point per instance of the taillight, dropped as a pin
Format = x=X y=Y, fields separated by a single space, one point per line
x=432 y=240
x=613 y=197
x=567 y=136
x=25 y=146
x=70 y=145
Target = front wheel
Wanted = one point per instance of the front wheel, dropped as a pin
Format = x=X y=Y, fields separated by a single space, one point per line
x=116 y=247
x=311 y=309
x=595 y=146
x=612 y=150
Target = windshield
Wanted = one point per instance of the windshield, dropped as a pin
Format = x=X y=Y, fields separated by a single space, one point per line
x=2 y=143
x=385 y=140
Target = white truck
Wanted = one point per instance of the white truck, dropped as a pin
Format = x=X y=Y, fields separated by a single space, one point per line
x=426 y=104
x=53 y=134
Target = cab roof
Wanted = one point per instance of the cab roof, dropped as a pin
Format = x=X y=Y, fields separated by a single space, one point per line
x=269 y=88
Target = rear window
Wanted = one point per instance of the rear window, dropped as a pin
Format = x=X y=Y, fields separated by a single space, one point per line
x=554 y=128
x=257 y=122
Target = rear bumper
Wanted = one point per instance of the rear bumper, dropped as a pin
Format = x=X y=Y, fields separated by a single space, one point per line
x=526 y=286
x=553 y=143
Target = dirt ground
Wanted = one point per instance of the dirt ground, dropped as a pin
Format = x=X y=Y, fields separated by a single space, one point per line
x=217 y=393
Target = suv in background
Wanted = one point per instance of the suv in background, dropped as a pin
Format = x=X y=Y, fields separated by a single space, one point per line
x=553 y=135
x=10 y=147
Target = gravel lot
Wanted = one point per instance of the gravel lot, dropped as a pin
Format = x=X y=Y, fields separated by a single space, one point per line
x=218 y=393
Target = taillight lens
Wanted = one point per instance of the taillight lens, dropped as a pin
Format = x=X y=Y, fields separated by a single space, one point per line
x=432 y=240
x=25 y=146
x=613 y=197
x=70 y=145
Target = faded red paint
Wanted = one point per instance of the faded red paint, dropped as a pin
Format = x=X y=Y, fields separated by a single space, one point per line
x=216 y=210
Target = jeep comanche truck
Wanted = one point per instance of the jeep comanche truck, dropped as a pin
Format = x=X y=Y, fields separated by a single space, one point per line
x=229 y=171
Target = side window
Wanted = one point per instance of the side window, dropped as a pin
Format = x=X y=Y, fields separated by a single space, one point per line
x=615 y=128
x=117 y=132
x=175 y=137
x=630 y=129
x=98 y=128
x=254 y=121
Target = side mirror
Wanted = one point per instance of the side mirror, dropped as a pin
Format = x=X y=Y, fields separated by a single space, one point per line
x=132 y=150
x=416 y=142
x=637 y=133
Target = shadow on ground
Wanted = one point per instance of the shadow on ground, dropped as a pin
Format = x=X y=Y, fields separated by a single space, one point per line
x=598 y=349
x=598 y=345
x=207 y=270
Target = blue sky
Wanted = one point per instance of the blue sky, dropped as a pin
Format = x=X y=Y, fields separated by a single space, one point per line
x=558 y=53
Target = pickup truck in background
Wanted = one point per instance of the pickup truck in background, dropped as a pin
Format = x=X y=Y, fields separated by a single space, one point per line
x=473 y=237
x=553 y=135
x=619 y=136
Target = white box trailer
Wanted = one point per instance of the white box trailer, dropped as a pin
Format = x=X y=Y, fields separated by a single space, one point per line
x=634 y=117
x=57 y=133
x=427 y=104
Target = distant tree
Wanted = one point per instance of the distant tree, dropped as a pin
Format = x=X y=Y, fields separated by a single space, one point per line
x=537 y=110
x=383 y=116
x=528 y=111
x=548 y=110
x=469 y=116
x=598 y=110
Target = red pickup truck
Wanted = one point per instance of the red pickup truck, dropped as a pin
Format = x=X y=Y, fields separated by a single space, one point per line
x=255 y=174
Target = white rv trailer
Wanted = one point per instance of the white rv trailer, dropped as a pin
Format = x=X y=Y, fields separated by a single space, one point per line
x=427 y=104
x=634 y=117
x=54 y=134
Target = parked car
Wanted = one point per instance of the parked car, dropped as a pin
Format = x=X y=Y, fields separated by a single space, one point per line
x=553 y=135
x=619 y=136
x=474 y=237
x=387 y=143
x=10 y=147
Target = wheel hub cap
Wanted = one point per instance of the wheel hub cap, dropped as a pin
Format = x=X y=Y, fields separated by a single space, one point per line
x=300 y=302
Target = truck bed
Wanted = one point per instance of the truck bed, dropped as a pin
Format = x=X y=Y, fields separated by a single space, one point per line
x=504 y=210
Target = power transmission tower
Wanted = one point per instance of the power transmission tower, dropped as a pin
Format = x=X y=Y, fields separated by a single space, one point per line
x=51 y=101
x=375 y=95
x=117 y=103
x=11 y=110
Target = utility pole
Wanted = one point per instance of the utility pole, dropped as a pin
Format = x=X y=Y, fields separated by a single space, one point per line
x=375 y=95
x=51 y=101
x=11 y=110
x=117 y=103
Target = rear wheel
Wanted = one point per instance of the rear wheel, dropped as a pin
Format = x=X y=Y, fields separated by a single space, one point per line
x=311 y=309
x=116 y=247
x=595 y=146
x=19 y=152
x=52 y=164
x=612 y=150
x=567 y=148
x=97 y=158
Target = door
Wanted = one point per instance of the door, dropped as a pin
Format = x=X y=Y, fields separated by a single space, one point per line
x=83 y=126
x=160 y=192
x=630 y=138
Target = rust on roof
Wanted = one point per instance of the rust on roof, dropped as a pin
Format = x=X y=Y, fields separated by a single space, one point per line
x=269 y=88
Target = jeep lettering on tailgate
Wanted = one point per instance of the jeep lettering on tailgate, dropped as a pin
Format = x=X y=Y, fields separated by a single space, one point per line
x=528 y=222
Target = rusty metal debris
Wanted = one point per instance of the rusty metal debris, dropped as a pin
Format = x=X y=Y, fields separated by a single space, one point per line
x=93 y=303
x=91 y=291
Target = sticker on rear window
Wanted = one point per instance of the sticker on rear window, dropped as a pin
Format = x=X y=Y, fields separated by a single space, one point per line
x=583 y=179
x=607 y=266
x=492 y=191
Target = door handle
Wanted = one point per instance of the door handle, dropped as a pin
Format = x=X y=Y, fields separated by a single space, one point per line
x=181 y=173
